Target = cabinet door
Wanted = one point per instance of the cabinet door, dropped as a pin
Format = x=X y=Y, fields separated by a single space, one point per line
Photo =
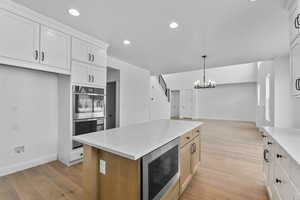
x=185 y=166
x=294 y=24
x=98 y=75
x=55 y=48
x=98 y=56
x=19 y=37
x=80 y=51
x=195 y=157
x=80 y=73
x=295 y=68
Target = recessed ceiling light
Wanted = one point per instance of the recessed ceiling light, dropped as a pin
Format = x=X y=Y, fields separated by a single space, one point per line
x=173 y=25
x=74 y=12
x=126 y=42
x=252 y=0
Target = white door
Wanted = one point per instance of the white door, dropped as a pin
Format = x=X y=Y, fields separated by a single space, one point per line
x=80 y=73
x=55 y=48
x=98 y=56
x=175 y=102
x=295 y=69
x=80 y=51
x=186 y=103
x=19 y=37
x=98 y=75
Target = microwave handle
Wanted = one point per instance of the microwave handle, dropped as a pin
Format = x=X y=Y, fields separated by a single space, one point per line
x=84 y=120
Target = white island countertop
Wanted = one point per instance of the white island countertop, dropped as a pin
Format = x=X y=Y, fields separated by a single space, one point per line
x=288 y=139
x=136 y=141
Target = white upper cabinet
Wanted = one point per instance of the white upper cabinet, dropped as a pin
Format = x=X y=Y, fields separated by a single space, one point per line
x=294 y=23
x=88 y=53
x=295 y=68
x=80 y=73
x=55 y=48
x=98 y=56
x=98 y=75
x=85 y=74
x=19 y=38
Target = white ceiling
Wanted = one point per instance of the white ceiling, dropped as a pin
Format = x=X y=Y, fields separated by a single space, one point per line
x=229 y=31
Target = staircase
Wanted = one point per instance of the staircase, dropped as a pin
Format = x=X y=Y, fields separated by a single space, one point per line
x=163 y=85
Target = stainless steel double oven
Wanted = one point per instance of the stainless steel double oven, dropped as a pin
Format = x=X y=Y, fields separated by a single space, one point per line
x=88 y=110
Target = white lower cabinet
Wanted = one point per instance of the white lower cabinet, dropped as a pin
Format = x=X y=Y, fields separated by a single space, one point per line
x=282 y=173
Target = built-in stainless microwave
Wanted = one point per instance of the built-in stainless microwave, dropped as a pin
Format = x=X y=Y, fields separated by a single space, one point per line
x=88 y=102
x=160 y=170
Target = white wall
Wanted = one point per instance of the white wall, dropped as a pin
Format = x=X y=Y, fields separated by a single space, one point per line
x=29 y=106
x=160 y=108
x=134 y=92
x=287 y=107
x=234 y=98
x=227 y=102
x=244 y=73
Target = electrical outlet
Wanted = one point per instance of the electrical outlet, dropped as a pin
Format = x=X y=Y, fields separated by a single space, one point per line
x=19 y=149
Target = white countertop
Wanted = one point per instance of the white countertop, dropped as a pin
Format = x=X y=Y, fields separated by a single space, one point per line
x=288 y=139
x=136 y=141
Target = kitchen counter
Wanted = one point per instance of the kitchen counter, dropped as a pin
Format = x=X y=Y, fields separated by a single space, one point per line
x=135 y=141
x=288 y=139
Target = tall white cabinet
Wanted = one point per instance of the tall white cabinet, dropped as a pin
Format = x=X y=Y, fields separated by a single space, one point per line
x=186 y=103
x=294 y=11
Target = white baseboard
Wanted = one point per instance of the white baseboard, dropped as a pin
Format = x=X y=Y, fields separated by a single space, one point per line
x=27 y=164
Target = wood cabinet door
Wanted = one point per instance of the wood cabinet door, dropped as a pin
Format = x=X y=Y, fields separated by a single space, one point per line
x=195 y=157
x=185 y=166
x=295 y=68
x=98 y=75
x=80 y=73
x=55 y=48
x=19 y=37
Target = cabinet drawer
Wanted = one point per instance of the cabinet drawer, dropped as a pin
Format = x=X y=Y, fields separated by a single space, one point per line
x=76 y=155
x=295 y=174
x=282 y=158
x=196 y=131
x=283 y=184
x=186 y=138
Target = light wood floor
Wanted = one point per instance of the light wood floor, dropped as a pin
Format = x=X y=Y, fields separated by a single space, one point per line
x=231 y=169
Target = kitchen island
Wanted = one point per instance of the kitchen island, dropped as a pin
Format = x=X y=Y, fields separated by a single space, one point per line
x=113 y=159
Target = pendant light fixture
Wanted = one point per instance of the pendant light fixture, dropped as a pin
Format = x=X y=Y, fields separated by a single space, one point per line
x=205 y=84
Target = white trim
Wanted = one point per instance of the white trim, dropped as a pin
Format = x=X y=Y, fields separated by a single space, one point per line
x=49 y=22
x=27 y=164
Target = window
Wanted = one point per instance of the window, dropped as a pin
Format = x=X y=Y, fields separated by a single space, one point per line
x=267 y=103
x=258 y=94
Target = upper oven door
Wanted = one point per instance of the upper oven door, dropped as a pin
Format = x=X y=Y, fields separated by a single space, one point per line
x=160 y=170
x=99 y=106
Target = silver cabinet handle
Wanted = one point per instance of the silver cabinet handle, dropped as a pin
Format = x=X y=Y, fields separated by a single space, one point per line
x=90 y=57
x=89 y=78
x=43 y=56
x=36 y=56
x=93 y=57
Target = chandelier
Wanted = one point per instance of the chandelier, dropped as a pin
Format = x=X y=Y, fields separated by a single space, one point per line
x=205 y=84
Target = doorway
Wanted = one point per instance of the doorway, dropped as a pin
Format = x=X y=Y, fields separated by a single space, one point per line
x=113 y=98
x=175 y=104
x=111 y=105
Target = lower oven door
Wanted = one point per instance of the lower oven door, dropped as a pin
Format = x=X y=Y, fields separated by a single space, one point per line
x=160 y=170
x=82 y=127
